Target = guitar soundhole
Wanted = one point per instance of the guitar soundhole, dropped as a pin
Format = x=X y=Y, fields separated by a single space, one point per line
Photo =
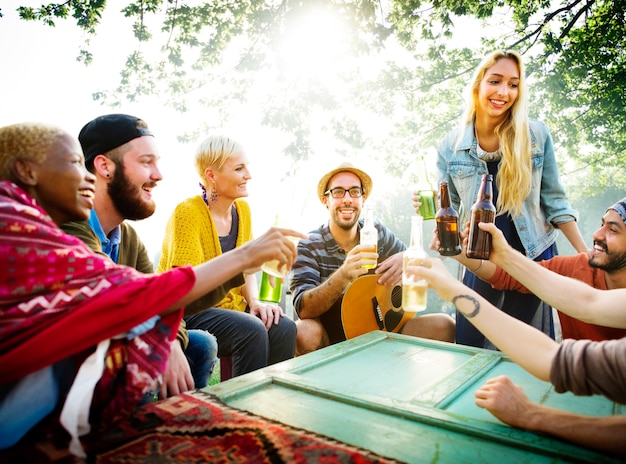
x=396 y=297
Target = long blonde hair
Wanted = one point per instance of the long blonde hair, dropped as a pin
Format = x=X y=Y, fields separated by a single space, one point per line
x=514 y=177
x=213 y=152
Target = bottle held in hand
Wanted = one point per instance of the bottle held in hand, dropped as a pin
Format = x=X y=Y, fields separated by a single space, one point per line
x=414 y=292
x=447 y=220
x=369 y=236
x=479 y=241
x=424 y=191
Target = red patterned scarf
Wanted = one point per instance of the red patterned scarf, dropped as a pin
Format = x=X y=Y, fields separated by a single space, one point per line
x=58 y=299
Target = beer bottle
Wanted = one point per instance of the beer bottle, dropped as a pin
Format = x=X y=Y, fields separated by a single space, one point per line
x=424 y=190
x=414 y=292
x=479 y=241
x=447 y=220
x=369 y=236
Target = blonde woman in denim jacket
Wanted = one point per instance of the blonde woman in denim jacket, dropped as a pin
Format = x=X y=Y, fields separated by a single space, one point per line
x=496 y=137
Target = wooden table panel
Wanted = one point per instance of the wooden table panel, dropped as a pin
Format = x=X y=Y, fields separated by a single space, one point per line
x=407 y=398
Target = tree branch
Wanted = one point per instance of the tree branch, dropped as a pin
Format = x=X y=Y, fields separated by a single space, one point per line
x=572 y=23
x=546 y=20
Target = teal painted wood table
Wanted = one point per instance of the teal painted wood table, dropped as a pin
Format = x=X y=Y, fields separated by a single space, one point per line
x=410 y=399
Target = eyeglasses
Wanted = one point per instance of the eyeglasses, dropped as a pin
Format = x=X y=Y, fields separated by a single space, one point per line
x=340 y=192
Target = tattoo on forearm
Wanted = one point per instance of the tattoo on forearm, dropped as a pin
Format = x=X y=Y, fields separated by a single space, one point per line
x=476 y=310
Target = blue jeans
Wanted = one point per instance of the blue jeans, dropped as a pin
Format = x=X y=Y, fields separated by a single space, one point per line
x=244 y=338
x=201 y=354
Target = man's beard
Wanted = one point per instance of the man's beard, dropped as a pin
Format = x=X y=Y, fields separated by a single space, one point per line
x=345 y=225
x=614 y=262
x=127 y=198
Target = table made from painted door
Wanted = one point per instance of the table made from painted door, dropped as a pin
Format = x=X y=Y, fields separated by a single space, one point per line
x=410 y=399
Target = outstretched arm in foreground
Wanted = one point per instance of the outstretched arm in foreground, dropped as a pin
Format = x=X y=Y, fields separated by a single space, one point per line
x=247 y=258
x=509 y=403
x=527 y=346
x=535 y=352
x=568 y=295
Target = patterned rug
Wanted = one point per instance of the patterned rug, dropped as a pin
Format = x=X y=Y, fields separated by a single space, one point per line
x=198 y=428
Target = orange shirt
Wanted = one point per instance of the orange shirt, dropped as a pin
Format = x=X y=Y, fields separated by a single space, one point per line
x=578 y=268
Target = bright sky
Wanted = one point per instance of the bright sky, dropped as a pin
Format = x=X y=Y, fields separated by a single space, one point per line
x=42 y=81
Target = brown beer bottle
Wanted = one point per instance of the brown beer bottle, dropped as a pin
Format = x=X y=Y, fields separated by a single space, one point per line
x=447 y=220
x=479 y=241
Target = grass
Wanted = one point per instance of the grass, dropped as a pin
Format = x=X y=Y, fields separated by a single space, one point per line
x=215 y=375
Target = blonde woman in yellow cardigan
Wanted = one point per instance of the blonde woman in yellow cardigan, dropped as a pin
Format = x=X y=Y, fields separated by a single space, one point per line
x=254 y=333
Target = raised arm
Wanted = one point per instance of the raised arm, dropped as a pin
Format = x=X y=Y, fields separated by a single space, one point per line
x=570 y=296
x=527 y=346
x=485 y=270
x=247 y=258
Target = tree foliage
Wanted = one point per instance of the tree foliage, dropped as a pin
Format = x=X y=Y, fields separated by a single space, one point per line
x=224 y=53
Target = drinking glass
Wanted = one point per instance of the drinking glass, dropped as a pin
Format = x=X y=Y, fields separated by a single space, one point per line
x=272 y=267
x=269 y=293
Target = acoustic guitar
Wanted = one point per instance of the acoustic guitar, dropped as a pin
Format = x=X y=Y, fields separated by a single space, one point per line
x=367 y=306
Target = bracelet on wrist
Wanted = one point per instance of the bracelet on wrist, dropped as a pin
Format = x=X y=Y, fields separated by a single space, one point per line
x=478 y=268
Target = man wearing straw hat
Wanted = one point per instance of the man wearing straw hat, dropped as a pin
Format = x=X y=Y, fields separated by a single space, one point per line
x=332 y=258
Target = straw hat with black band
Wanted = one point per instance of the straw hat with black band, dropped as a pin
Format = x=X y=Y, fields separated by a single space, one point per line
x=366 y=181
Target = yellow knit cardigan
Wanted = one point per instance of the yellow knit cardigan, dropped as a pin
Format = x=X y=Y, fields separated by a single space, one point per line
x=191 y=238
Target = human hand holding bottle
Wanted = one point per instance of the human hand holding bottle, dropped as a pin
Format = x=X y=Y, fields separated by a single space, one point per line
x=424 y=196
x=369 y=236
x=416 y=201
x=414 y=291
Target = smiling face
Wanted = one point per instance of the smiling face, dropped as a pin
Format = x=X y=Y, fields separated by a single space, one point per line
x=344 y=212
x=498 y=89
x=231 y=181
x=134 y=178
x=609 y=244
x=63 y=187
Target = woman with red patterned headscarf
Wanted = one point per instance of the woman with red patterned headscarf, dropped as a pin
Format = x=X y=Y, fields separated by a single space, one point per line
x=81 y=338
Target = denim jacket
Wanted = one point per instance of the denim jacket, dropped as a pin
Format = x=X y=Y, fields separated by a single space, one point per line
x=545 y=206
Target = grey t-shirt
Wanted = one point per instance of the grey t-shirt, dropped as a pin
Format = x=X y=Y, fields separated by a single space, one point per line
x=584 y=367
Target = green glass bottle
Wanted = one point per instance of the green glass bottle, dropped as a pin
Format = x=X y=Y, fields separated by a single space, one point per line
x=424 y=190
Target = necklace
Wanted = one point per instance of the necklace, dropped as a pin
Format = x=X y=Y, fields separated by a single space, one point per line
x=486 y=155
